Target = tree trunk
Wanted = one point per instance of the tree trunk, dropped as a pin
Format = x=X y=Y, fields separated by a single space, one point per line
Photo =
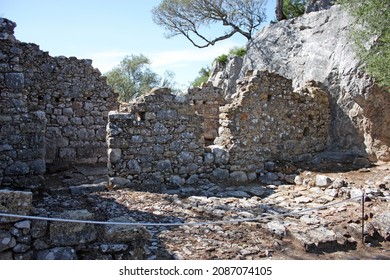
x=279 y=10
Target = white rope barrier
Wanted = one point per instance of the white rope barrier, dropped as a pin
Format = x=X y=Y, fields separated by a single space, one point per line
x=148 y=224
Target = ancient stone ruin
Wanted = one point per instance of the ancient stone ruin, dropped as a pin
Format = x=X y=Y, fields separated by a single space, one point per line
x=228 y=135
x=160 y=139
x=53 y=110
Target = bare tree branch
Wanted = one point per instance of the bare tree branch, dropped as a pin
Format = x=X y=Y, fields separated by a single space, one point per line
x=188 y=17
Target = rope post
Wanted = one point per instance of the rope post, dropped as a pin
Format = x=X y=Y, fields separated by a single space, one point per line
x=363 y=199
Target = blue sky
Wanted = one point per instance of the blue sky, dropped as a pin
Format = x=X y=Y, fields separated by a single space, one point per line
x=107 y=31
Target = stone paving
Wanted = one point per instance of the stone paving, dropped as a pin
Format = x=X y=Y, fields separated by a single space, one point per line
x=276 y=224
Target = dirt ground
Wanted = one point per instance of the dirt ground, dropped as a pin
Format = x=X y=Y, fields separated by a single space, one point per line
x=239 y=240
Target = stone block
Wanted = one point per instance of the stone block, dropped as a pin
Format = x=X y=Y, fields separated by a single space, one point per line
x=177 y=180
x=323 y=181
x=269 y=166
x=38 y=228
x=15 y=202
x=65 y=234
x=165 y=166
x=58 y=253
x=193 y=179
x=167 y=115
x=186 y=157
x=119 y=182
x=208 y=158
x=221 y=155
x=238 y=177
x=220 y=174
x=14 y=80
x=7 y=241
x=114 y=155
x=16 y=169
x=67 y=153
x=133 y=167
x=38 y=166
x=26 y=224
x=118 y=233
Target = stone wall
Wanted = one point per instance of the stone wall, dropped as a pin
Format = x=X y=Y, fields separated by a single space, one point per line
x=22 y=130
x=267 y=120
x=159 y=139
x=206 y=101
x=75 y=99
x=52 y=109
x=24 y=239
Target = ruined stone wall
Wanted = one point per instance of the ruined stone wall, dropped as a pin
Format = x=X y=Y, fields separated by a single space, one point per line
x=268 y=121
x=75 y=99
x=206 y=101
x=26 y=239
x=52 y=109
x=22 y=130
x=158 y=141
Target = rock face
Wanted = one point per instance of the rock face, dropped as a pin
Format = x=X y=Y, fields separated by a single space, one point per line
x=316 y=47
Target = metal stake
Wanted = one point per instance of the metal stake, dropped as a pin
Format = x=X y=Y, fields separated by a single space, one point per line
x=363 y=198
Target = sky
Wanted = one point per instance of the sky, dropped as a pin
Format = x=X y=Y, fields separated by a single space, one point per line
x=107 y=31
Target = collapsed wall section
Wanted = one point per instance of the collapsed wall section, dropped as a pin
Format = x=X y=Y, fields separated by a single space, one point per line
x=267 y=120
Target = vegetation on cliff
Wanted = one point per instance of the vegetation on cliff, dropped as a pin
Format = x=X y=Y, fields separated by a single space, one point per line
x=371 y=35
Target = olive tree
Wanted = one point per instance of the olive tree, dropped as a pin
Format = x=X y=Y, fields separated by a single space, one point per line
x=189 y=17
x=133 y=77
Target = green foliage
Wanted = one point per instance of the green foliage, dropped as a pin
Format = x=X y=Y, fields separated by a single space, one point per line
x=133 y=77
x=222 y=59
x=371 y=35
x=294 y=8
x=238 y=51
x=204 y=74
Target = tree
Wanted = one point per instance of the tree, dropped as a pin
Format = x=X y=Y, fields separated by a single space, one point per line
x=279 y=10
x=294 y=8
x=286 y=9
x=188 y=17
x=204 y=74
x=371 y=35
x=133 y=77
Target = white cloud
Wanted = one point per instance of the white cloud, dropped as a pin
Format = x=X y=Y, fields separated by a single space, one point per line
x=105 y=61
x=185 y=57
x=184 y=62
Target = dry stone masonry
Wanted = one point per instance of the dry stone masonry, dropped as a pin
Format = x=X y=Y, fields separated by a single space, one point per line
x=24 y=239
x=160 y=139
x=267 y=120
x=52 y=110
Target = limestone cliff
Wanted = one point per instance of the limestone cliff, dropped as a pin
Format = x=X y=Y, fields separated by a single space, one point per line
x=316 y=47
